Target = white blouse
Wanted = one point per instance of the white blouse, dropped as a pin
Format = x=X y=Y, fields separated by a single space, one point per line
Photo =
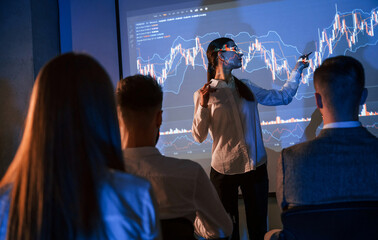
x=234 y=123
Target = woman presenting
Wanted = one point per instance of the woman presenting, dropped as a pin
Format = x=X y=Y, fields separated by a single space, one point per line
x=227 y=108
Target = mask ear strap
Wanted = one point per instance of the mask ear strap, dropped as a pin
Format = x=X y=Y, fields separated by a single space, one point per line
x=225 y=61
x=220 y=57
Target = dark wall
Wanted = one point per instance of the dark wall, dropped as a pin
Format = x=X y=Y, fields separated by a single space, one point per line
x=33 y=31
x=90 y=26
x=29 y=38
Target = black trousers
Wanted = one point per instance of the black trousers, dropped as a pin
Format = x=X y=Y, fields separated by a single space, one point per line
x=254 y=187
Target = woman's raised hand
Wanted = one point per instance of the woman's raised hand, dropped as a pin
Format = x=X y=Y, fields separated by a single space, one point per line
x=205 y=94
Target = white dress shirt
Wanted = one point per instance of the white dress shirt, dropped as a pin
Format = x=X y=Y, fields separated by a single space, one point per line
x=234 y=123
x=345 y=124
x=182 y=189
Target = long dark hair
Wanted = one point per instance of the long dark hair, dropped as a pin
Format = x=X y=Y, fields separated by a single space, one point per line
x=71 y=137
x=212 y=58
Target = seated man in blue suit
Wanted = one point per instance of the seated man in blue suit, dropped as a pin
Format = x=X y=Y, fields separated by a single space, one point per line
x=341 y=163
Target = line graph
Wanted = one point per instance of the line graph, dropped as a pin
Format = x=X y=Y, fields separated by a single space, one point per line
x=280 y=133
x=349 y=31
x=271 y=37
x=173 y=145
x=276 y=133
x=278 y=120
x=374 y=125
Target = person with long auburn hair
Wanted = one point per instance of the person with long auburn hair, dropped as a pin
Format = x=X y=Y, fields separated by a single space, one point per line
x=227 y=108
x=66 y=180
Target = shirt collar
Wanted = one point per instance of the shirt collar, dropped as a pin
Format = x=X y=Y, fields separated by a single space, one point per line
x=140 y=152
x=346 y=124
x=222 y=84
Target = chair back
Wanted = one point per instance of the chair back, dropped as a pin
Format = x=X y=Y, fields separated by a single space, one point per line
x=350 y=220
x=177 y=229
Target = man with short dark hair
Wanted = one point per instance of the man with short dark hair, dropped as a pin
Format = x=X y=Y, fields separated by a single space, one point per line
x=182 y=188
x=340 y=164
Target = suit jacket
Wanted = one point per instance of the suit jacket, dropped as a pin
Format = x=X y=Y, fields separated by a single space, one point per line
x=339 y=165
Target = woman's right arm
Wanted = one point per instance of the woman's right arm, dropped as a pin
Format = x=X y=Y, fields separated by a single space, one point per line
x=201 y=119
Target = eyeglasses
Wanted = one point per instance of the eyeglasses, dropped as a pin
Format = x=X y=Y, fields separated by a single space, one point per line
x=229 y=49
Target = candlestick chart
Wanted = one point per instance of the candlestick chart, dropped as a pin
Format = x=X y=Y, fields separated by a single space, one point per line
x=264 y=52
x=173 y=50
